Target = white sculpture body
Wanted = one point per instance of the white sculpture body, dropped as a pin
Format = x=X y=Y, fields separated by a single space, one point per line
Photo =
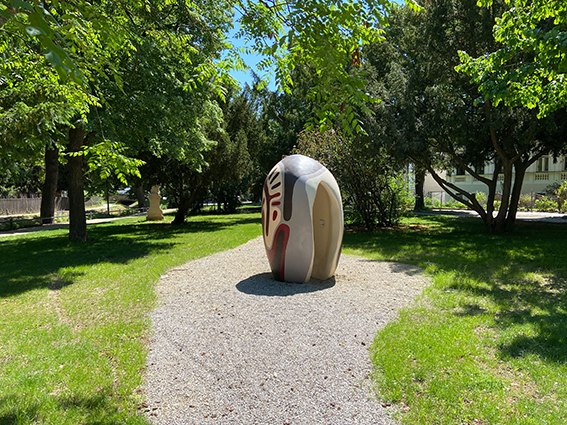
x=154 y=212
x=302 y=220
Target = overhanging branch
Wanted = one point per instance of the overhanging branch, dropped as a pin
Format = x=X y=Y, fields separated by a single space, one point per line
x=453 y=190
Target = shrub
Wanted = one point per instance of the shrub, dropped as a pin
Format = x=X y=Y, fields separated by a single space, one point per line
x=545 y=204
x=374 y=190
x=526 y=202
x=454 y=204
x=481 y=198
x=431 y=202
x=551 y=189
x=561 y=194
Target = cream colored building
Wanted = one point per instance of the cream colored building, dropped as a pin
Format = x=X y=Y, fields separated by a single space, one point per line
x=431 y=188
x=539 y=175
x=544 y=172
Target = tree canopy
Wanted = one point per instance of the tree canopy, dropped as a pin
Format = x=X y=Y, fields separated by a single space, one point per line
x=528 y=67
x=327 y=35
x=117 y=82
x=441 y=120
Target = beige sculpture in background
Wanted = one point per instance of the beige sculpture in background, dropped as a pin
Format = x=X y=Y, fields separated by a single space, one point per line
x=154 y=212
x=302 y=220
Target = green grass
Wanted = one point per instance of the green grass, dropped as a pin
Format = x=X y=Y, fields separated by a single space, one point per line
x=487 y=341
x=74 y=317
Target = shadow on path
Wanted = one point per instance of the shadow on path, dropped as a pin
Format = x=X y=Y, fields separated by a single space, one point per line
x=264 y=284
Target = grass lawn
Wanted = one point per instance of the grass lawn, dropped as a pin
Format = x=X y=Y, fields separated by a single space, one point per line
x=487 y=342
x=74 y=317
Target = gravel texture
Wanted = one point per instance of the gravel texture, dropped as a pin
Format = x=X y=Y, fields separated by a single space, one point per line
x=232 y=346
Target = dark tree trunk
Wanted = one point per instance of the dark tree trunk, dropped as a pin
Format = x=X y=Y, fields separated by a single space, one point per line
x=49 y=189
x=185 y=204
x=515 y=198
x=107 y=196
x=492 y=194
x=140 y=195
x=419 y=183
x=77 y=218
x=190 y=200
x=498 y=224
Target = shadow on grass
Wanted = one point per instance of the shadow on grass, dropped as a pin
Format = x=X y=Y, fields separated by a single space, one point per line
x=264 y=284
x=28 y=263
x=100 y=407
x=11 y=413
x=496 y=267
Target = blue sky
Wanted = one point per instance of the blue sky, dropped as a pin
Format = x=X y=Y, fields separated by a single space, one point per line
x=252 y=60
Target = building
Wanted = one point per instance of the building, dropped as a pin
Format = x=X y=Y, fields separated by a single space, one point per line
x=541 y=174
x=544 y=172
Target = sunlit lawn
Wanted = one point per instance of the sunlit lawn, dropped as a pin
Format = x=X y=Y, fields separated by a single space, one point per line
x=487 y=342
x=74 y=317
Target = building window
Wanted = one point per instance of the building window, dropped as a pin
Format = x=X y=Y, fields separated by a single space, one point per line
x=542 y=164
x=460 y=171
x=479 y=169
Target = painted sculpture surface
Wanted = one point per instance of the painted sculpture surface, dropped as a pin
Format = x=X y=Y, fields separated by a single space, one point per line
x=302 y=220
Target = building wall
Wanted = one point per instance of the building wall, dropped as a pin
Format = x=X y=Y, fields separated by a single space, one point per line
x=430 y=185
x=538 y=176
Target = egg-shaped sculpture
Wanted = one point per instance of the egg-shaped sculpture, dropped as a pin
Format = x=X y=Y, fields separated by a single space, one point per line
x=302 y=220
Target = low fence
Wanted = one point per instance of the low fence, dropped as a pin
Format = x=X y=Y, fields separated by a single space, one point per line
x=14 y=206
x=14 y=222
x=19 y=206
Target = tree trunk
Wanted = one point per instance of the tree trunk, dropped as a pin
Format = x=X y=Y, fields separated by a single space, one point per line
x=49 y=189
x=185 y=204
x=188 y=198
x=516 y=192
x=77 y=218
x=419 y=183
x=107 y=196
x=492 y=194
x=499 y=222
x=140 y=195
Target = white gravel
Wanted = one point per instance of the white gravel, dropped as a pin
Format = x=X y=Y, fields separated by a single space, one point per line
x=232 y=346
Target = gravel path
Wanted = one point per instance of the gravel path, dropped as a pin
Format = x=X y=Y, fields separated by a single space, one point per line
x=232 y=346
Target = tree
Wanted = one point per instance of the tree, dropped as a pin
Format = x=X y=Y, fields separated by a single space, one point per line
x=395 y=77
x=232 y=169
x=20 y=179
x=326 y=34
x=34 y=109
x=282 y=117
x=166 y=110
x=444 y=118
x=101 y=39
x=85 y=42
x=91 y=35
x=529 y=66
x=374 y=190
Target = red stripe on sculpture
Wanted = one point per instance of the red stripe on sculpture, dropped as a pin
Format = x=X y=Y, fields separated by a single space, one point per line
x=276 y=255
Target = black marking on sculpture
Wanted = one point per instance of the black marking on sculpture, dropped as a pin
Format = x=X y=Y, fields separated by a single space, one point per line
x=290 y=180
x=295 y=167
x=274 y=176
